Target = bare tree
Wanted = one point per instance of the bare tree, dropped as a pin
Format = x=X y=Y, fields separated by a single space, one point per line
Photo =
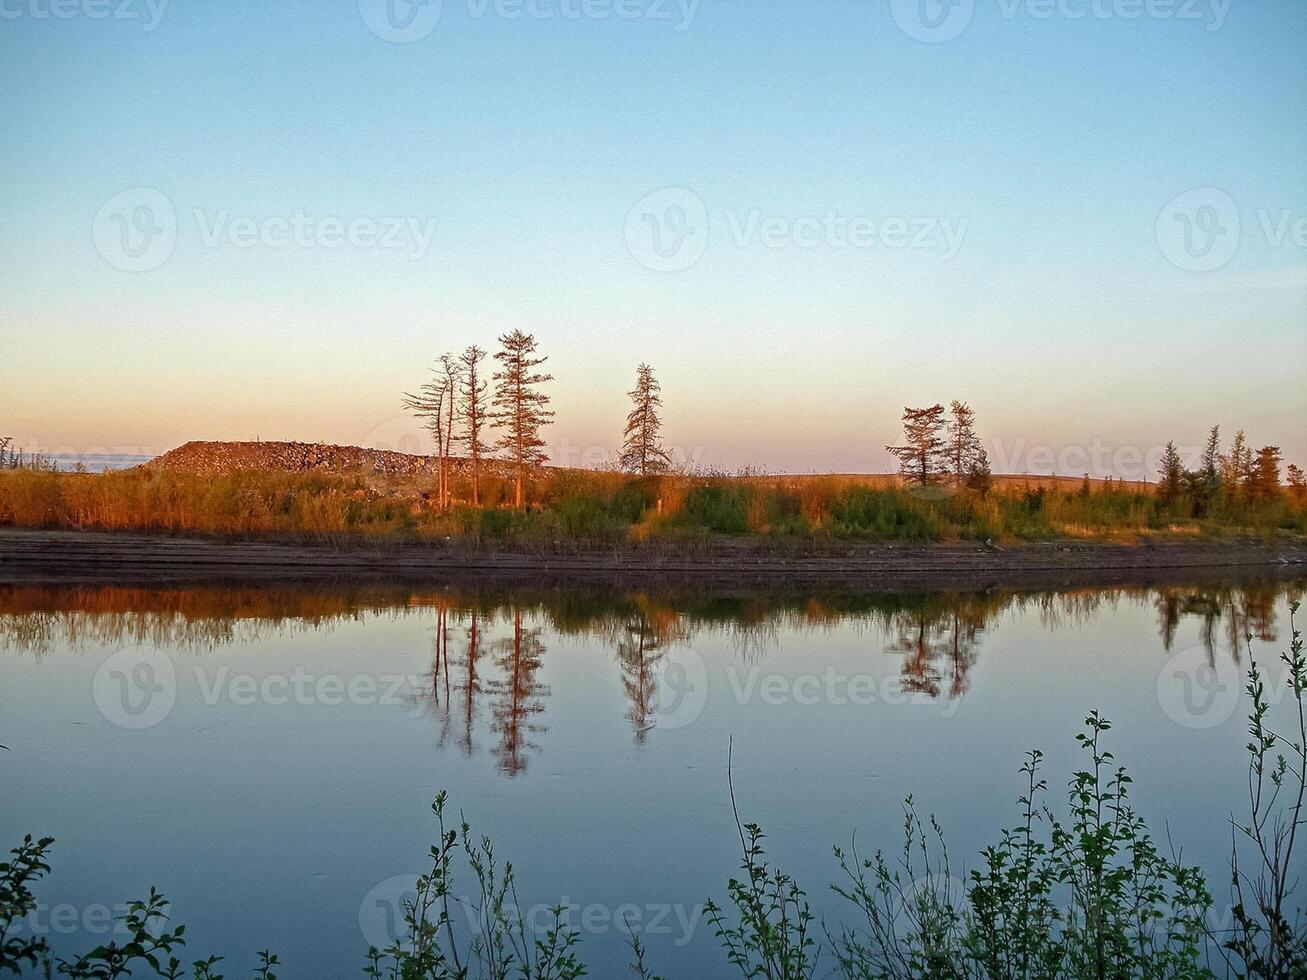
x=924 y=460
x=450 y=370
x=642 y=450
x=434 y=404
x=519 y=407
x=472 y=407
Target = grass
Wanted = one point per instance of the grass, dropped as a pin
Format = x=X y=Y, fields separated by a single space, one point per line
x=1080 y=892
x=592 y=508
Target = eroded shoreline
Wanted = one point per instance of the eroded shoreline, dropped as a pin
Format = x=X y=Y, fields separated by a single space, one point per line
x=36 y=556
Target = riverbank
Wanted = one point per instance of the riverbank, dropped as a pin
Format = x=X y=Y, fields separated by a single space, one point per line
x=35 y=556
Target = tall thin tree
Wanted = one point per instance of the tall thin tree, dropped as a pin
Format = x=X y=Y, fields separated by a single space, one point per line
x=473 y=408
x=451 y=371
x=924 y=460
x=431 y=404
x=642 y=448
x=967 y=460
x=520 y=406
x=1171 y=473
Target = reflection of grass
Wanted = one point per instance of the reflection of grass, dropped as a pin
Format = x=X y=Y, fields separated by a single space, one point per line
x=576 y=507
x=1084 y=894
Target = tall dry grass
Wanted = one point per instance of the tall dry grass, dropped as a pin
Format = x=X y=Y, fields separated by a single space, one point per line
x=579 y=507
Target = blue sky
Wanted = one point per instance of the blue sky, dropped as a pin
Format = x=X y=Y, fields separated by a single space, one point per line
x=1013 y=188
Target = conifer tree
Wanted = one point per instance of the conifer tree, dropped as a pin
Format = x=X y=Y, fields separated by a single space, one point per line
x=1237 y=467
x=520 y=408
x=1210 y=466
x=1264 y=482
x=1172 y=475
x=474 y=412
x=967 y=460
x=924 y=460
x=1297 y=483
x=642 y=448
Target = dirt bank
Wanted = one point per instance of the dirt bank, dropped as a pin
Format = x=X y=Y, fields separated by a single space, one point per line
x=71 y=556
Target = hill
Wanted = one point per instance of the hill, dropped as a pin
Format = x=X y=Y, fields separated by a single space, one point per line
x=215 y=457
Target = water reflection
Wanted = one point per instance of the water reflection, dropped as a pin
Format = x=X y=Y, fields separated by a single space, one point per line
x=488 y=650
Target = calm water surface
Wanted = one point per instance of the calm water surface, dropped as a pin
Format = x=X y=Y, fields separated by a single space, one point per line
x=268 y=756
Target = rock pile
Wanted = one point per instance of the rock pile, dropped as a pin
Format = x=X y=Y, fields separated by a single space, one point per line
x=293 y=457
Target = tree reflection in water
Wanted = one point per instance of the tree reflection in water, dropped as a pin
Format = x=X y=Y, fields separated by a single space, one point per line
x=487 y=650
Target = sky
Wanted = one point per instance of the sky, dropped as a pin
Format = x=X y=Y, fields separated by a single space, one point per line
x=239 y=219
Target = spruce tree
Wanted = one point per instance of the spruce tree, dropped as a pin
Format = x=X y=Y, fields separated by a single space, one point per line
x=520 y=408
x=642 y=449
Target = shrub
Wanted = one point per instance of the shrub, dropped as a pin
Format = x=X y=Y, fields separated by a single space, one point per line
x=887 y=514
x=716 y=508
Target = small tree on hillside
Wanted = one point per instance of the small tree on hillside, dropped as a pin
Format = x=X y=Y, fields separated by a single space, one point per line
x=1171 y=472
x=519 y=407
x=967 y=460
x=473 y=410
x=1264 y=484
x=1210 y=467
x=1237 y=466
x=1297 y=484
x=434 y=403
x=924 y=459
x=642 y=448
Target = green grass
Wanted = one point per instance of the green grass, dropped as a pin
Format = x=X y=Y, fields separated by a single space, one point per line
x=585 y=508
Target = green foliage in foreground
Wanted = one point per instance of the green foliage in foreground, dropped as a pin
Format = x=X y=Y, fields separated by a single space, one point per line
x=1084 y=895
x=587 y=508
